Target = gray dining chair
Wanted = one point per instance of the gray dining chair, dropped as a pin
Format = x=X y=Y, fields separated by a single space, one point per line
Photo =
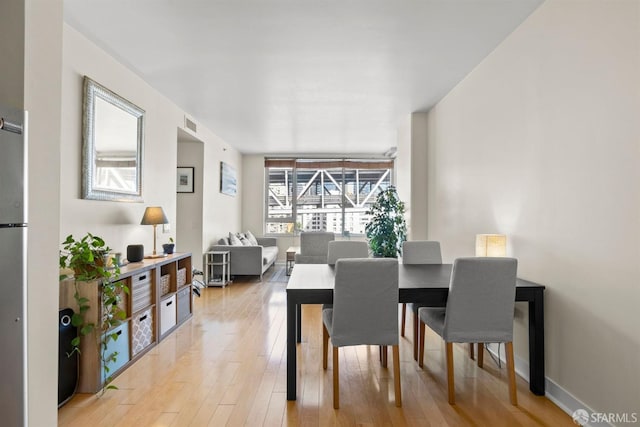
x=339 y=249
x=479 y=310
x=343 y=249
x=364 y=312
x=314 y=247
x=418 y=252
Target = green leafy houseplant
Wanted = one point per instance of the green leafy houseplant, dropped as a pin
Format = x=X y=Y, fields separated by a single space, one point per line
x=87 y=257
x=387 y=228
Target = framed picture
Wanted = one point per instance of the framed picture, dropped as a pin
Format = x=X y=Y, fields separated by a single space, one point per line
x=227 y=179
x=185 y=179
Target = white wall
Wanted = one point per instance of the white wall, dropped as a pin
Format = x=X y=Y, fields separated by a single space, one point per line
x=411 y=173
x=253 y=193
x=30 y=79
x=419 y=126
x=541 y=142
x=12 y=30
x=188 y=232
x=119 y=223
x=221 y=213
x=42 y=78
x=31 y=63
x=402 y=171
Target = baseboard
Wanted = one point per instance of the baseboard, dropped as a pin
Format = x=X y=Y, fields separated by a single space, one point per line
x=553 y=391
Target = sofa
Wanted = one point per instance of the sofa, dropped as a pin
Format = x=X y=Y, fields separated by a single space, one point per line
x=250 y=260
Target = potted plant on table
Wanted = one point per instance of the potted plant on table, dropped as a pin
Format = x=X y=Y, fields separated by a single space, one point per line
x=88 y=257
x=387 y=228
x=169 y=247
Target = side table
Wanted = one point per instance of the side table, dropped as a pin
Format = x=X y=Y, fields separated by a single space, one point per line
x=212 y=262
x=291 y=258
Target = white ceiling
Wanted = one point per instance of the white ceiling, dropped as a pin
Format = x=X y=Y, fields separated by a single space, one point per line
x=300 y=76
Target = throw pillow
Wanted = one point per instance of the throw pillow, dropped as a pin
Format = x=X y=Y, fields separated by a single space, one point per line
x=233 y=240
x=244 y=240
x=251 y=238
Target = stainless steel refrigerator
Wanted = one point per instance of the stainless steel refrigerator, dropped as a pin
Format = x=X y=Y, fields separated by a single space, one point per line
x=13 y=274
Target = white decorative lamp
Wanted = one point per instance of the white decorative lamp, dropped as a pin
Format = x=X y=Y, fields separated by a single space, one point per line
x=492 y=245
x=154 y=215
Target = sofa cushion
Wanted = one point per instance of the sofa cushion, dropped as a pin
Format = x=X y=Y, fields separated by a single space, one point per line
x=251 y=238
x=269 y=254
x=233 y=240
x=224 y=241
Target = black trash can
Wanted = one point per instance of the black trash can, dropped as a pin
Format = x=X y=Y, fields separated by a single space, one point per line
x=67 y=366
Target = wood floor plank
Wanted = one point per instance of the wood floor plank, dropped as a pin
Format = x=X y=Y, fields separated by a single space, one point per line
x=221 y=415
x=227 y=366
x=205 y=411
x=276 y=409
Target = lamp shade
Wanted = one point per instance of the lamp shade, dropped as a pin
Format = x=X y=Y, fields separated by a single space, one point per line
x=154 y=215
x=494 y=245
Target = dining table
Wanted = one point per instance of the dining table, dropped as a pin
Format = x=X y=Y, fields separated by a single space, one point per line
x=424 y=284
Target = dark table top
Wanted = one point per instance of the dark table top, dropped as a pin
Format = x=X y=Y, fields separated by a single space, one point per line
x=411 y=276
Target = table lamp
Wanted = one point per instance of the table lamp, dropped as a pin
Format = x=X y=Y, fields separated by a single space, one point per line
x=154 y=215
x=491 y=245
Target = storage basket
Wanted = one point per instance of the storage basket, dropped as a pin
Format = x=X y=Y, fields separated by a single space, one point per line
x=141 y=292
x=183 y=310
x=165 y=284
x=167 y=314
x=142 y=331
x=182 y=277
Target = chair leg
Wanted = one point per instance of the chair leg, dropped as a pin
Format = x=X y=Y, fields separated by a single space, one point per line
x=450 y=383
x=396 y=375
x=384 y=356
x=325 y=346
x=404 y=318
x=336 y=381
x=421 y=345
x=480 y=354
x=513 y=396
x=471 y=355
x=416 y=321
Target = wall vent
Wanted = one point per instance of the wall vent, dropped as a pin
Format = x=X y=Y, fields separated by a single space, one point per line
x=191 y=125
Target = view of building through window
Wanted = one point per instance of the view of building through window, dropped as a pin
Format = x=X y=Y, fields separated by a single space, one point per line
x=119 y=175
x=323 y=195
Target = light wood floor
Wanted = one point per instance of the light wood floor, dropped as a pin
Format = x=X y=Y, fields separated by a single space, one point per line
x=227 y=366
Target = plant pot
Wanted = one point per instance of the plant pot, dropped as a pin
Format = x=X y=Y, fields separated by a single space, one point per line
x=90 y=269
x=168 y=248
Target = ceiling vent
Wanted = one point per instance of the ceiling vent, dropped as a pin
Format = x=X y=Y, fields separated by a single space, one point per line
x=190 y=124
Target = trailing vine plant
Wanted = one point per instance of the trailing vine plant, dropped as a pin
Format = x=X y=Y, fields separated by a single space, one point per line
x=387 y=228
x=88 y=258
x=112 y=316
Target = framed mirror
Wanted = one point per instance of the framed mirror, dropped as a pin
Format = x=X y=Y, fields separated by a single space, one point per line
x=112 y=143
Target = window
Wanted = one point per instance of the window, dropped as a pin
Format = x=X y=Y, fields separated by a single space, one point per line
x=114 y=172
x=322 y=195
x=279 y=200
